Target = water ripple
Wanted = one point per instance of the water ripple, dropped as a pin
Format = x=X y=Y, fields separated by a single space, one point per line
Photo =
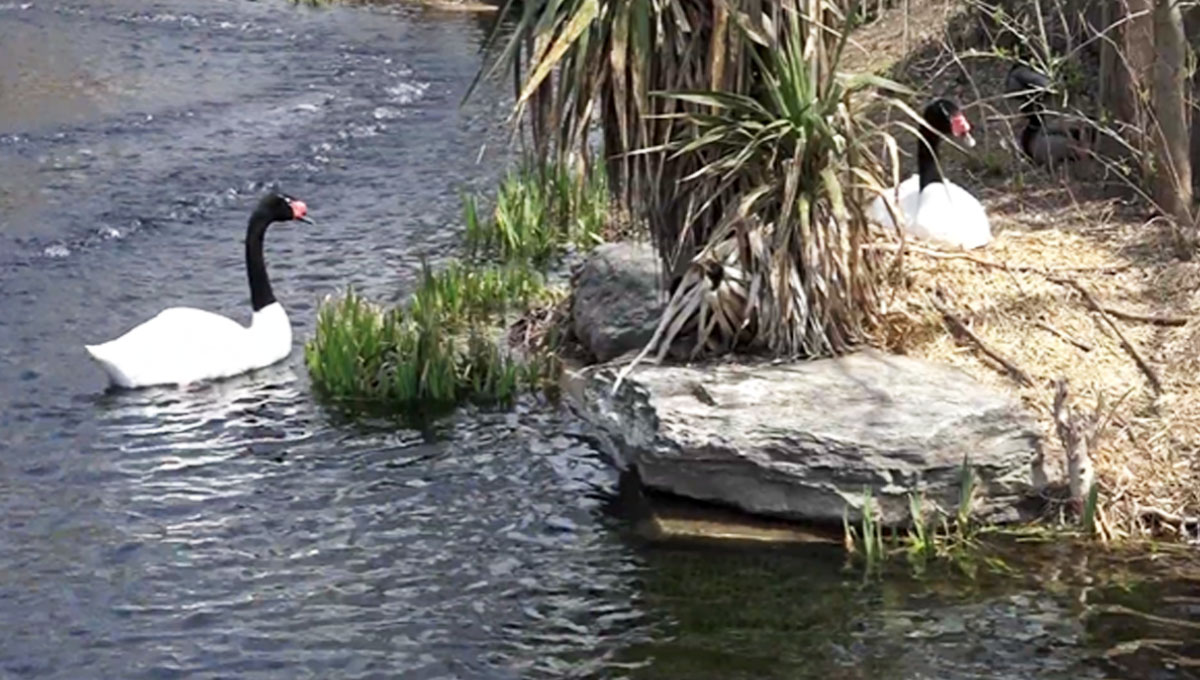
x=236 y=529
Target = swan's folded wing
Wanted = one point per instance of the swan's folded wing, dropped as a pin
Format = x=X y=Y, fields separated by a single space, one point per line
x=182 y=328
x=951 y=216
x=167 y=348
x=905 y=196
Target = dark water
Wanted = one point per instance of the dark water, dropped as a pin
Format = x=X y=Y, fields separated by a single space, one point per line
x=235 y=531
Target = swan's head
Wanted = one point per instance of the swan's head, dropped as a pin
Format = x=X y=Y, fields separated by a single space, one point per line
x=1021 y=78
x=283 y=208
x=944 y=116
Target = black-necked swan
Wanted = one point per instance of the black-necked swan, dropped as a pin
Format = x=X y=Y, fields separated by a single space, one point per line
x=183 y=345
x=1046 y=142
x=934 y=208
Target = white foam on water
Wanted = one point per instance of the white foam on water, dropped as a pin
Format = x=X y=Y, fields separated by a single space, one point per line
x=405 y=92
x=386 y=113
x=357 y=131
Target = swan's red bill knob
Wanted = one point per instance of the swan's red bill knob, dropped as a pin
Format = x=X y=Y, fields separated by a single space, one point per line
x=959 y=125
x=299 y=210
x=961 y=128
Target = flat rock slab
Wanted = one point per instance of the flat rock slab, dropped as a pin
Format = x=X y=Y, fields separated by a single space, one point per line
x=805 y=440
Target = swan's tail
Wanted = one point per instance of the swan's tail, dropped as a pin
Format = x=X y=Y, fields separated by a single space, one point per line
x=100 y=355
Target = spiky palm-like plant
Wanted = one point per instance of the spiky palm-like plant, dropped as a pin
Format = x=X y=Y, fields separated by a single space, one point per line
x=730 y=131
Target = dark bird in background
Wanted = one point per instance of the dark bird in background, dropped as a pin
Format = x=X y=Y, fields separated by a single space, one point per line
x=1047 y=138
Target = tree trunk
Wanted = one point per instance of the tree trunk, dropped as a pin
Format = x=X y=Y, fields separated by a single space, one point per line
x=1191 y=27
x=1108 y=53
x=1170 y=135
x=1130 y=97
x=1195 y=132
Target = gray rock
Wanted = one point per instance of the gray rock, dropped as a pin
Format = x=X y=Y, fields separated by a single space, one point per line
x=803 y=440
x=617 y=303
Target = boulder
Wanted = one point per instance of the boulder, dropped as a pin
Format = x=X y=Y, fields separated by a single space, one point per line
x=804 y=440
x=617 y=301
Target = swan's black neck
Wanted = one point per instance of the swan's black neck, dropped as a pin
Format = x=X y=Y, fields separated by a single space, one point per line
x=927 y=164
x=261 y=294
x=1033 y=125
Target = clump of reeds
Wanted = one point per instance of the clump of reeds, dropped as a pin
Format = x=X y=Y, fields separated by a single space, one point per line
x=445 y=346
x=464 y=293
x=866 y=541
x=932 y=536
x=409 y=360
x=538 y=211
x=434 y=352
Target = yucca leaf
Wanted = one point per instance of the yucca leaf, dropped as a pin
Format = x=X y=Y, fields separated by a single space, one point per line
x=858 y=81
x=576 y=25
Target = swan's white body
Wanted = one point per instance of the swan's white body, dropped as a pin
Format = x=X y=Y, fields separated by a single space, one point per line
x=944 y=213
x=183 y=345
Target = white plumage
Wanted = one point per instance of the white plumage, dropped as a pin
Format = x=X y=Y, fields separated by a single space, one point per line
x=182 y=345
x=944 y=213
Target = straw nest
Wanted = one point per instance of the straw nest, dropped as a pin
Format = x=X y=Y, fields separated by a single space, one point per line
x=1024 y=301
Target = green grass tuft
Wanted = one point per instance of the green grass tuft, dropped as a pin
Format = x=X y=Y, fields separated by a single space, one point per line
x=866 y=541
x=461 y=295
x=537 y=213
x=922 y=537
x=932 y=536
x=417 y=360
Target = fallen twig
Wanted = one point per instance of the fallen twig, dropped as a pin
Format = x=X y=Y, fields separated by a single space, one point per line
x=1153 y=618
x=1142 y=364
x=1085 y=346
x=1096 y=269
x=936 y=254
x=958 y=327
x=1103 y=527
x=1180 y=522
x=1148 y=318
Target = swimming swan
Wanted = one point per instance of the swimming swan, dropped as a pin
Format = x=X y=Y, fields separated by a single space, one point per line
x=183 y=345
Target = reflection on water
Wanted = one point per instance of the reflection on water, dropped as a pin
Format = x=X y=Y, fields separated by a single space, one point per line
x=797 y=613
x=236 y=530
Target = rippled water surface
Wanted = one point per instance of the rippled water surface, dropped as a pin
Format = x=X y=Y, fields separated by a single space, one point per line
x=236 y=531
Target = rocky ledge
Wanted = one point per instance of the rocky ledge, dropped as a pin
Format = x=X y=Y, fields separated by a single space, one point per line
x=804 y=441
